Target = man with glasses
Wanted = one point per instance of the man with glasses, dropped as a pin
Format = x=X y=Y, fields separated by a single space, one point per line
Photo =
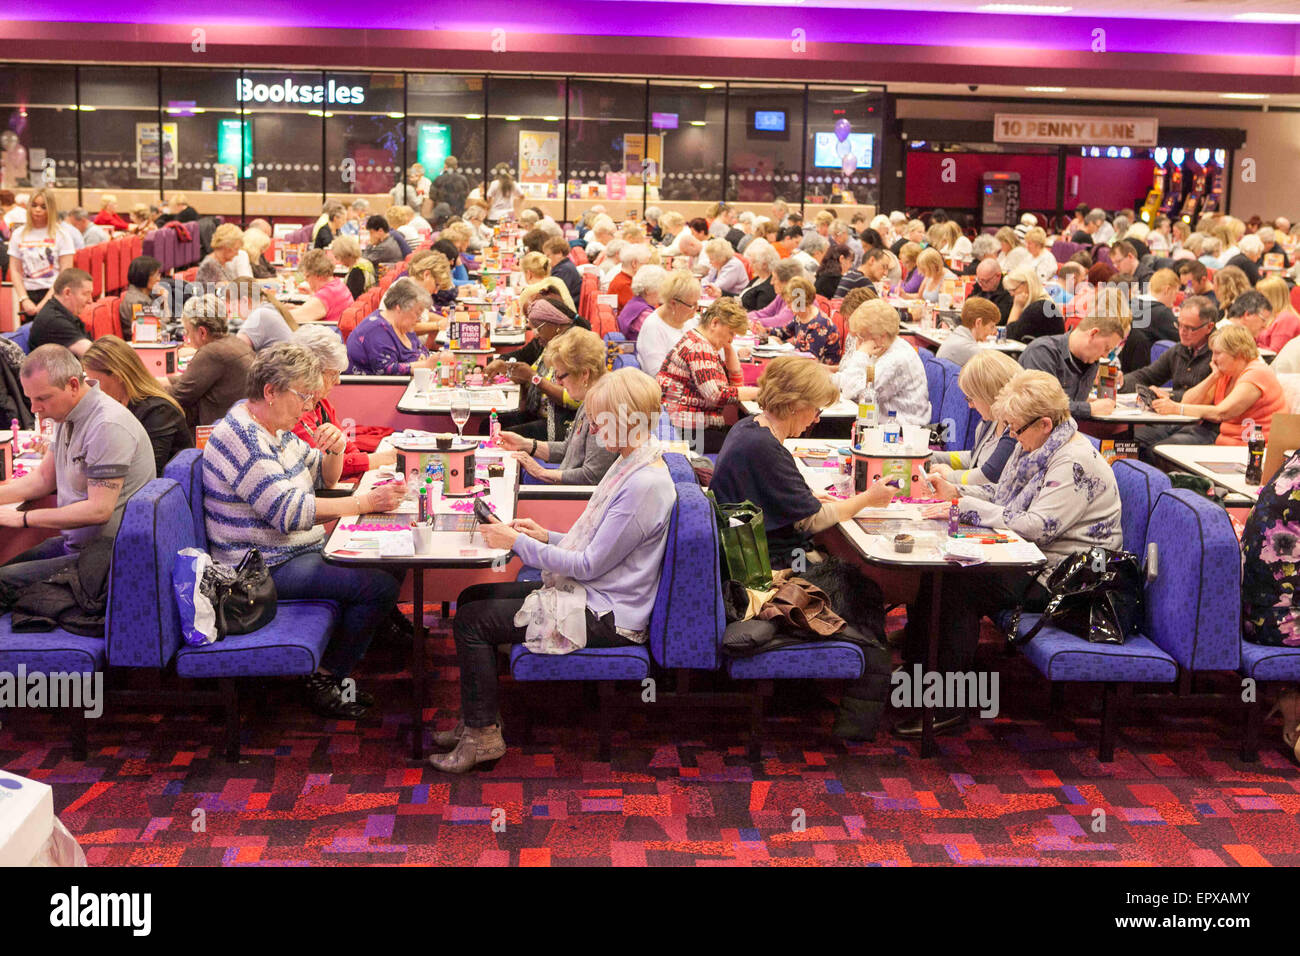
x=1181 y=366
x=100 y=457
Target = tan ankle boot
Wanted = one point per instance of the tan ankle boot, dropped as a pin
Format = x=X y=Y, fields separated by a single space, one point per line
x=478 y=745
x=447 y=739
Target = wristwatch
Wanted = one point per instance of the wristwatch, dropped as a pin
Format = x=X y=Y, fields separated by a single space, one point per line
x=537 y=379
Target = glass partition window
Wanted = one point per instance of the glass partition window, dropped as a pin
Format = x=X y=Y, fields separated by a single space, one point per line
x=605 y=145
x=364 y=152
x=120 y=143
x=445 y=119
x=285 y=137
x=202 y=107
x=826 y=154
x=525 y=130
x=38 y=128
x=687 y=140
x=764 y=143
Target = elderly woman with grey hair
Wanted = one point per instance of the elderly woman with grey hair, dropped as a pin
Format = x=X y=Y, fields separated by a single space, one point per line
x=763 y=258
x=811 y=249
x=327 y=348
x=214 y=379
x=260 y=484
x=984 y=246
x=645 y=299
x=726 y=274
x=384 y=342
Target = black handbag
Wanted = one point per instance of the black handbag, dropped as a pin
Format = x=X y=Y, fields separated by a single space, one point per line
x=248 y=600
x=1095 y=594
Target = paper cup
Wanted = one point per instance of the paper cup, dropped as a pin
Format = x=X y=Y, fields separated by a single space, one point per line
x=423 y=378
x=497 y=490
x=423 y=536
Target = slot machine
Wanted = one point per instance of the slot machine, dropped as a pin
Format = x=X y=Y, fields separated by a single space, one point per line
x=1196 y=191
x=1173 y=181
x=1214 y=182
x=1155 y=196
x=1000 y=193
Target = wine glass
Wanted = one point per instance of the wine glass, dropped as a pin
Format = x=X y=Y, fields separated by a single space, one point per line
x=460 y=411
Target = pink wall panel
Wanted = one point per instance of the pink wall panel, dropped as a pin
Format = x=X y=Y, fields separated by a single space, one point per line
x=928 y=187
x=1108 y=183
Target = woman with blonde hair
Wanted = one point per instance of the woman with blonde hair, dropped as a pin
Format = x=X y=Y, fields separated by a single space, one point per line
x=1012 y=254
x=599 y=580
x=108 y=213
x=38 y=251
x=1285 y=324
x=330 y=295
x=256 y=242
x=754 y=464
x=981 y=380
x=226 y=243
x=910 y=277
x=1229 y=282
x=117 y=369
x=577 y=359
x=1240 y=388
x=895 y=368
x=1033 y=312
x=361 y=271
x=1055 y=490
x=929 y=264
x=1040 y=257
x=431 y=270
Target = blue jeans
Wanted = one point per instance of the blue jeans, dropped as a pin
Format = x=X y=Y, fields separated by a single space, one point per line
x=368 y=596
x=37 y=563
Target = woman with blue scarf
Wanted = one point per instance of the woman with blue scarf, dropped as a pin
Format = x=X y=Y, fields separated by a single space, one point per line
x=1055 y=490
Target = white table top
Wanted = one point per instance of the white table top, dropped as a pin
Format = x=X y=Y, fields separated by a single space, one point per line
x=841 y=409
x=454 y=549
x=438 y=400
x=937 y=336
x=1206 y=459
x=1129 y=412
x=906 y=518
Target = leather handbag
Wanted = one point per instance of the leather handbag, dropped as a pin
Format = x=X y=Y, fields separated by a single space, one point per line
x=802 y=606
x=1095 y=594
x=744 y=543
x=247 y=601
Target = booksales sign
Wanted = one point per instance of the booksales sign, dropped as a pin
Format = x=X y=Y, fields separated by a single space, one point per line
x=1074 y=130
x=287 y=91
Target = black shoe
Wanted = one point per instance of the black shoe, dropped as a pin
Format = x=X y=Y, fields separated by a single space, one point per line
x=945 y=721
x=325 y=697
x=396 y=630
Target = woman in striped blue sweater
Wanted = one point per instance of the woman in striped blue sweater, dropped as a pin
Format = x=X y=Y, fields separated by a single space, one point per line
x=259 y=484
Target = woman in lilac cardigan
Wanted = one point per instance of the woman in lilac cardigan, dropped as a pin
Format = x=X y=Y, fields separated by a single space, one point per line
x=385 y=343
x=777 y=314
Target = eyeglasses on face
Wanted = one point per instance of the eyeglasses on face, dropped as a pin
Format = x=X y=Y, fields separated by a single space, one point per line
x=683 y=302
x=308 y=401
x=1017 y=432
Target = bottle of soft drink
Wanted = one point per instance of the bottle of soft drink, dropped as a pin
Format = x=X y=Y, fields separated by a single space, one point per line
x=868 y=408
x=494 y=429
x=1255 y=463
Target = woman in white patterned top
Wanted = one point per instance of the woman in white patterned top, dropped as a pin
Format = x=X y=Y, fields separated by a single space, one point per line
x=259 y=491
x=899 y=378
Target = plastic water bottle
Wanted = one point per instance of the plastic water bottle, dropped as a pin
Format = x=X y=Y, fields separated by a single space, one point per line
x=868 y=408
x=494 y=429
x=893 y=431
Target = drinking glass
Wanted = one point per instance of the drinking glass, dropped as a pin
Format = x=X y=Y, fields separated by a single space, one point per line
x=460 y=411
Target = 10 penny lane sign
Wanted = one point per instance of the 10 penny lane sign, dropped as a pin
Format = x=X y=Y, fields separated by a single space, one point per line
x=1074 y=130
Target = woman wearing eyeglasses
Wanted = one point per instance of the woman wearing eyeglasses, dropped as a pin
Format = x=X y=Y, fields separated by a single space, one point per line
x=679 y=296
x=546 y=408
x=385 y=342
x=1055 y=490
x=577 y=361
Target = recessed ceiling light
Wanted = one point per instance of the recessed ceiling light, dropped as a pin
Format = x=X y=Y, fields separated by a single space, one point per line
x=697 y=122
x=1243 y=96
x=861 y=89
x=87 y=109
x=1044 y=89
x=1268 y=17
x=551 y=119
x=708 y=86
x=513 y=119
x=473 y=116
x=396 y=115
x=1021 y=8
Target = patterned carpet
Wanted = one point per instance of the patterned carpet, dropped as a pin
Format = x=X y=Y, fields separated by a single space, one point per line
x=1019 y=789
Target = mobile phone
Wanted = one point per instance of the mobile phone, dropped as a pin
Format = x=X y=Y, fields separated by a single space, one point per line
x=1146 y=397
x=483 y=513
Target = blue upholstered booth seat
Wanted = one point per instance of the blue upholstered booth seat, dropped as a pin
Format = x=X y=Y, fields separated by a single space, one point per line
x=1062 y=656
x=590 y=663
x=1263 y=662
x=291 y=645
x=816 y=660
x=48 y=651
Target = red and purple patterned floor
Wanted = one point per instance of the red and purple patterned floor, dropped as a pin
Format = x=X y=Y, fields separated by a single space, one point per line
x=1020 y=789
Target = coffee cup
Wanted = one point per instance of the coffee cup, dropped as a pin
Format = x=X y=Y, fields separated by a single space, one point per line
x=422 y=535
x=423 y=378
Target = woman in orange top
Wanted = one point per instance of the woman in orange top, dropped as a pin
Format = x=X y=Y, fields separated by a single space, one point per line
x=1240 y=389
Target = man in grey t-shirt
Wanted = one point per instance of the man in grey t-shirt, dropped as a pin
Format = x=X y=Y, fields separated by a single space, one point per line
x=100 y=457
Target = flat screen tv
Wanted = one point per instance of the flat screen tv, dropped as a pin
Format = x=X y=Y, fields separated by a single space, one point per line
x=768 y=124
x=826 y=156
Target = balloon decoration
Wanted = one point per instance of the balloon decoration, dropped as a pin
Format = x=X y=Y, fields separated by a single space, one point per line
x=842 y=129
x=849 y=165
x=848 y=162
x=844 y=148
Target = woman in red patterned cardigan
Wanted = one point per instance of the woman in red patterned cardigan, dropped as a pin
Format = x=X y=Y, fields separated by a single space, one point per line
x=324 y=343
x=702 y=375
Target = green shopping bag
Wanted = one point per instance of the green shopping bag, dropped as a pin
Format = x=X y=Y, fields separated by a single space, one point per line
x=744 y=544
